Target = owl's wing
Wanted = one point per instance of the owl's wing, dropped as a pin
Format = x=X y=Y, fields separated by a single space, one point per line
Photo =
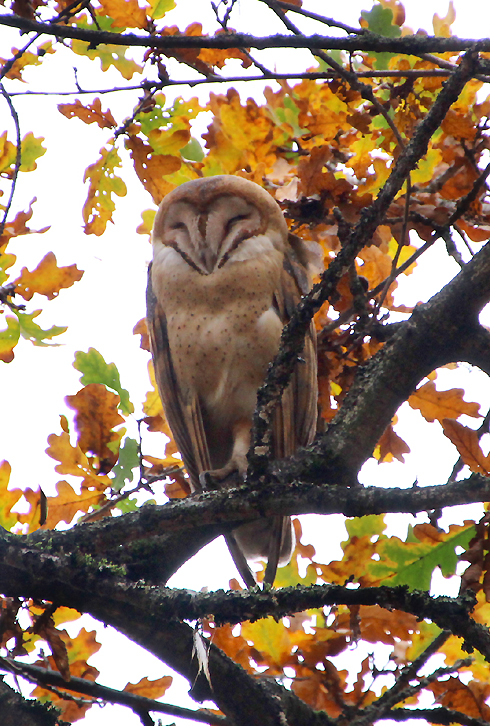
x=183 y=413
x=296 y=415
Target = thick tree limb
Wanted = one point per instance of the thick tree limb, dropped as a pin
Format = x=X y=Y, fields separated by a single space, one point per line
x=443 y=330
x=143 y=543
x=150 y=616
x=18 y=711
x=409 y=44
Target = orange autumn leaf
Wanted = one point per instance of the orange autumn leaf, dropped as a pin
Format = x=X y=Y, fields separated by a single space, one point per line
x=149 y=689
x=91 y=114
x=476 y=234
x=467 y=443
x=459 y=126
x=79 y=650
x=18 y=225
x=127 y=14
x=73 y=461
x=434 y=404
x=61 y=508
x=217 y=57
x=8 y=498
x=392 y=446
x=468 y=699
x=97 y=414
x=152 y=168
x=321 y=689
x=141 y=328
x=376 y=267
x=47 y=279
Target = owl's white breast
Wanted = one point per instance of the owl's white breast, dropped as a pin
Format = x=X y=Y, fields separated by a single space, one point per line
x=223 y=331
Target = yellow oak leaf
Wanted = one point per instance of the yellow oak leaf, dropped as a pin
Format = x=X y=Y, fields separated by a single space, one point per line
x=8 y=498
x=47 y=279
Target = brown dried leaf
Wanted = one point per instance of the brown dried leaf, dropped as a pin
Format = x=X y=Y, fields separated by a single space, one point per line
x=392 y=446
x=92 y=114
x=467 y=443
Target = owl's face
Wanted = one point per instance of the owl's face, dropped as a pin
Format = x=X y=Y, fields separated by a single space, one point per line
x=217 y=221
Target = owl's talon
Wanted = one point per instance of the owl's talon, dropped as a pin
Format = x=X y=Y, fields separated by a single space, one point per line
x=206 y=481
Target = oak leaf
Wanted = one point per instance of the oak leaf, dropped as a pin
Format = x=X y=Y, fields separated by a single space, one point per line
x=99 y=205
x=88 y=114
x=96 y=416
x=47 y=279
x=152 y=168
x=467 y=443
x=127 y=14
x=391 y=446
x=149 y=689
x=440 y=405
x=8 y=498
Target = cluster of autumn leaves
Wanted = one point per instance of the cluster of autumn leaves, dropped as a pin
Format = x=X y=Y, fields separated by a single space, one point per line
x=321 y=151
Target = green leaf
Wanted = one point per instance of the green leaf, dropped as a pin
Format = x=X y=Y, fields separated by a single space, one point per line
x=160 y=7
x=127 y=461
x=380 y=21
x=127 y=505
x=33 y=332
x=109 y=55
x=368 y=526
x=96 y=370
x=193 y=151
x=288 y=576
x=412 y=562
x=9 y=338
x=31 y=149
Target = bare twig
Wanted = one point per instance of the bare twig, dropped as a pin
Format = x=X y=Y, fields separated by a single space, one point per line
x=18 y=156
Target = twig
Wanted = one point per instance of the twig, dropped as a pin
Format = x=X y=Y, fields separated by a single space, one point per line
x=47 y=678
x=267 y=76
x=18 y=156
x=320 y=18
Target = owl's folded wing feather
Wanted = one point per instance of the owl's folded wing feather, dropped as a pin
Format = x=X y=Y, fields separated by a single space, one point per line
x=183 y=413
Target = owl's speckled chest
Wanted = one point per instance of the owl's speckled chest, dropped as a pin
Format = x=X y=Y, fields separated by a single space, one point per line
x=222 y=328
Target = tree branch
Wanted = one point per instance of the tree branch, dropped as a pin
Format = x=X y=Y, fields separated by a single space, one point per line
x=45 y=677
x=292 y=340
x=409 y=44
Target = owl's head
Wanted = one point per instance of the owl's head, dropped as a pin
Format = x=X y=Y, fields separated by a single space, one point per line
x=218 y=220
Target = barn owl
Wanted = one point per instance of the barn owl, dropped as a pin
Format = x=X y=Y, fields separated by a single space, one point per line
x=225 y=278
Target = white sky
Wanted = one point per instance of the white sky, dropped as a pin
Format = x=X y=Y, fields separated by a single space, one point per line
x=102 y=310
